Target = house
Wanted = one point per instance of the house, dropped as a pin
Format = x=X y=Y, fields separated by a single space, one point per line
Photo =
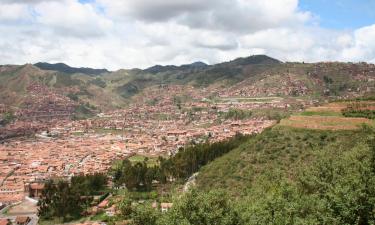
x=34 y=190
x=22 y=220
x=4 y=222
x=104 y=204
x=165 y=206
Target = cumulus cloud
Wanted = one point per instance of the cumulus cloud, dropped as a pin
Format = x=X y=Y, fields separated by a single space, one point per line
x=13 y=12
x=69 y=17
x=129 y=33
x=228 y=15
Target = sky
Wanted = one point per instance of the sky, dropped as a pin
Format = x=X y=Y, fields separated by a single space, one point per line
x=116 y=34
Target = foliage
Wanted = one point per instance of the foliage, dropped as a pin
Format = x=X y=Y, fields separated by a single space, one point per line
x=73 y=97
x=360 y=109
x=139 y=176
x=136 y=176
x=98 y=82
x=83 y=111
x=68 y=200
x=125 y=207
x=89 y=184
x=8 y=117
x=335 y=184
x=145 y=214
x=199 y=208
x=237 y=114
x=59 y=200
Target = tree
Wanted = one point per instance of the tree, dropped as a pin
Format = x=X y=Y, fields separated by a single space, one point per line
x=125 y=207
x=145 y=214
x=60 y=200
x=199 y=208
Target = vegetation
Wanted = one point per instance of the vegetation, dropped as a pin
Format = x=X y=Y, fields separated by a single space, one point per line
x=139 y=176
x=360 y=109
x=295 y=176
x=198 y=208
x=63 y=68
x=194 y=207
x=83 y=111
x=8 y=117
x=73 y=97
x=326 y=122
x=98 y=82
x=237 y=114
x=320 y=113
x=67 y=201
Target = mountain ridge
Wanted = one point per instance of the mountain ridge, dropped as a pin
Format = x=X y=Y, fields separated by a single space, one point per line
x=64 y=68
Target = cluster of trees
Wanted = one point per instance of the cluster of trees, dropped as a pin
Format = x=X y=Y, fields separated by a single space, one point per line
x=182 y=165
x=194 y=207
x=67 y=200
x=238 y=114
x=136 y=176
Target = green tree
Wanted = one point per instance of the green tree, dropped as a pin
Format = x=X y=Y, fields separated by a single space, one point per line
x=195 y=208
x=125 y=207
x=145 y=214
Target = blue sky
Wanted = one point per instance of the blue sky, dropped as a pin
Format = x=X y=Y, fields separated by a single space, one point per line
x=341 y=14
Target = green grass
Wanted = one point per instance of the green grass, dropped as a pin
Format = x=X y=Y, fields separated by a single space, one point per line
x=320 y=113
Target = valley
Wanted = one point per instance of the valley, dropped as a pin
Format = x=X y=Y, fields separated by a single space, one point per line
x=246 y=127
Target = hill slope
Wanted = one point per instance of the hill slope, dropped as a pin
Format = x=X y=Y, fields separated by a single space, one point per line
x=296 y=176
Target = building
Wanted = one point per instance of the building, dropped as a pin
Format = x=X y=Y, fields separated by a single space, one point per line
x=4 y=222
x=34 y=190
x=22 y=220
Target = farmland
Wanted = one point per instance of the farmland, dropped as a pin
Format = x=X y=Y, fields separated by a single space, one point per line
x=326 y=117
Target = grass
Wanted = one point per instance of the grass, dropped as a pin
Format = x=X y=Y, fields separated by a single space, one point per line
x=321 y=113
x=326 y=117
x=325 y=122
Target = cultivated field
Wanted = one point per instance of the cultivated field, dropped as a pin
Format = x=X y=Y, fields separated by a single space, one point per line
x=325 y=122
x=327 y=117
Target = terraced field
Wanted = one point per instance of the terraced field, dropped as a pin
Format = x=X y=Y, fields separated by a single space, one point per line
x=327 y=117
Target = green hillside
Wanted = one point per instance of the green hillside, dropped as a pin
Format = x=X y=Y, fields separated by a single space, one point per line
x=296 y=176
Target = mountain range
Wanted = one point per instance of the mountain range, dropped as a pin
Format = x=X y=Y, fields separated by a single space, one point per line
x=257 y=75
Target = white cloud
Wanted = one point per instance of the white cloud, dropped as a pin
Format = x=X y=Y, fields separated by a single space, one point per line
x=229 y=15
x=13 y=12
x=68 y=17
x=126 y=34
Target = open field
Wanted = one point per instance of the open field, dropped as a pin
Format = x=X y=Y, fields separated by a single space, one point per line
x=330 y=107
x=325 y=122
x=320 y=113
x=327 y=117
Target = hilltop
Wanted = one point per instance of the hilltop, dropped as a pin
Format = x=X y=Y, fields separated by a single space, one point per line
x=63 y=68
